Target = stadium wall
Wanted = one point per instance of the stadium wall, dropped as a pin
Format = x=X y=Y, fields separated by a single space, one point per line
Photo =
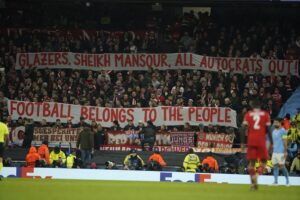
x=123 y=175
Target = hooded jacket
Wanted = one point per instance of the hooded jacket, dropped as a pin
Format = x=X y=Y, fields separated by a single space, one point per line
x=32 y=157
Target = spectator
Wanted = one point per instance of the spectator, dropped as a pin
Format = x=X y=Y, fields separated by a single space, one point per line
x=81 y=123
x=71 y=160
x=295 y=167
x=191 y=162
x=296 y=119
x=57 y=157
x=115 y=126
x=69 y=123
x=99 y=139
x=294 y=134
x=156 y=162
x=210 y=164
x=32 y=158
x=286 y=122
x=85 y=143
x=58 y=124
x=29 y=129
x=133 y=161
x=147 y=135
x=43 y=151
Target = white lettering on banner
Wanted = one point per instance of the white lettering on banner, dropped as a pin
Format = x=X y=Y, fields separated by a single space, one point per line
x=215 y=140
x=56 y=136
x=181 y=149
x=126 y=175
x=142 y=61
x=165 y=115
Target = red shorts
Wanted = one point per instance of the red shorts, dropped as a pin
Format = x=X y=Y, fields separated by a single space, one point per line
x=257 y=153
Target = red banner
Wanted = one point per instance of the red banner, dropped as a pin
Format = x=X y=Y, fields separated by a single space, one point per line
x=215 y=140
x=132 y=138
x=225 y=151
x=182 y=139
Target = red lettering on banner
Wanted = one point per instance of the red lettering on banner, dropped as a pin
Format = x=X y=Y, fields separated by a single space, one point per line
x=91 y=115
x=179 y=60
x=23 y=59
x=199 y=114
x=77 y=59
x=130 y=114
x=119 y=58
x=84 y=112
x=152 y=115
x=122 y=115
x=211 y=62
x=238 y=64
x=259 y=63
x=38 y=104
x=54 y=110
x=62 y=115
x=127 y=61
x=65 y=58
x=289 y=66
x=69 y=111
x=164 y=60
x=206 y=114
x=203 y=62
x=246 y=65
x=106 y=115
x=145 y=110
x=12 y=107
x=164 y=113
x=227 y=115
x=22 y=105
x=46 y=109
x=30 y=109
x=191 y=111
x=179 y=114
x=36 y=60
x=272 y=66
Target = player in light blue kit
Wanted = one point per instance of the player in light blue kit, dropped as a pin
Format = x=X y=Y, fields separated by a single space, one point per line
x=279 y=155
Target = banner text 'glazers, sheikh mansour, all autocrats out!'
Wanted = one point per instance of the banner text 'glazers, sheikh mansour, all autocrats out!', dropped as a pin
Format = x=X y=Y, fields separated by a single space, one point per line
x=164 y=115
x=162 y=61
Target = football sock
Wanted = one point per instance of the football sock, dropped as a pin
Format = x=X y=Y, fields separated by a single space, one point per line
x=260 y=170
x=276 y=173
x=286 y=174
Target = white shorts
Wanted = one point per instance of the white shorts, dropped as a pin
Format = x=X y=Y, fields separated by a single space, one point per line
x=278 y=159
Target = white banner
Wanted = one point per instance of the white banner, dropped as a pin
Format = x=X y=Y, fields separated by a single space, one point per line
x=126 y=175
x=165 y=115
x=162 y=61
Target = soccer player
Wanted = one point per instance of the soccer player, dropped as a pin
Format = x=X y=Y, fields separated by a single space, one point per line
x=279 y=155
x=3 y=139
x=255 y=125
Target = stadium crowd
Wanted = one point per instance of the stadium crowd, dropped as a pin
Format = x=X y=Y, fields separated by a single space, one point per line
x=196 y=33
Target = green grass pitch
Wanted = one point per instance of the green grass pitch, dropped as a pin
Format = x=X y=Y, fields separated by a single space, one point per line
x=42 y=189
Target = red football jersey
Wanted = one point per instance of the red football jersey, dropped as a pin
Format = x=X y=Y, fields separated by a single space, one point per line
x=257 y=121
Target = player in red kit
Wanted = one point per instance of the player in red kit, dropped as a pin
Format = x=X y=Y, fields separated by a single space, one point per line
x=256 y=125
